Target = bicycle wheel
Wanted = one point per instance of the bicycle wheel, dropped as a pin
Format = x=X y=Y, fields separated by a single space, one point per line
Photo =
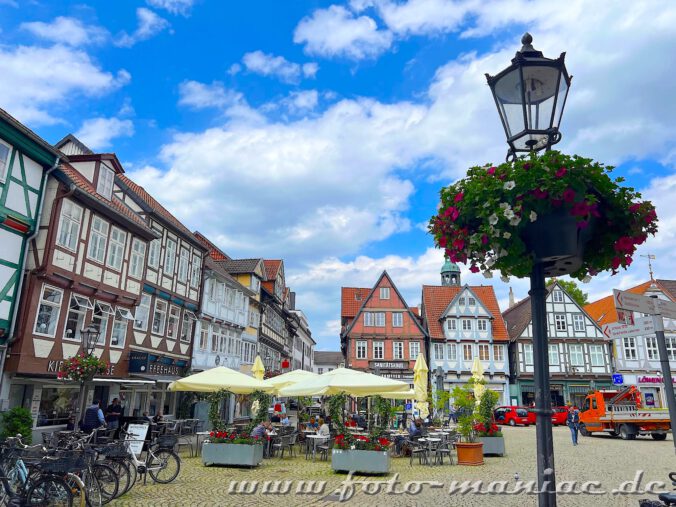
x=93 y=494
x=123 y=476
x=108 y=481
x=133 y=472
x=164 y=466
x=50 y=492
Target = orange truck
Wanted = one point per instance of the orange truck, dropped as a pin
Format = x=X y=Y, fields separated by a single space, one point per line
x=620 y=413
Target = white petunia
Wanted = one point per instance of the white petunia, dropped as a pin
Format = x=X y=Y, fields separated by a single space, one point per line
x=533 y=216
x=509 y=185
x=587 y=279
x=490 y=261
x=515 y=221
x=488 y=274
x=504 y=205
x=509 y=214
x=493 y=219
x=507 y=235
x=503 y=253
x=504 y=278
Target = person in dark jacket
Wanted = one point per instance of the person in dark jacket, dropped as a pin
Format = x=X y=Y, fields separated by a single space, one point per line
x=93 y=417
x=573 y=422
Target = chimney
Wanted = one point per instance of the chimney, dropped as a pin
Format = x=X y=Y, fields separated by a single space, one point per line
x=512 y=302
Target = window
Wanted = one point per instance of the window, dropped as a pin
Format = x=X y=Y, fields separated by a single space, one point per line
x=204 y=337
x=138 y=252
x=97 y=240
x=320 y=370
x=651 y=347
x=170 y=257
x=413 y=350
x=452 y=324
x=467 y=352
x=116 y=250
x=553 y=354
x=187 y=326
x=172 y=322
x=378 y=350
x=482 y=324
x=439 y=351
x=154 y=253
x=183 y=263
x=384 y=293
x=629 y=346
x=368 y=318
x=560 y=321
x=528 y=353
x=578 y=322
x=398 y=350
x=120 y=326
x=461 y=301
x=69 y=225
x=671 y=347
x=48 y=311
x=380 y=319
x=105 y=184
x=466 y=325
x=102 y=313
x=484 y=352
x=471 y=301
x=159 y=317
x=214 y=340
x=557 y=296
x=197 y=271
x=361 y=350
x=4 y=156
x=498 y=353
x=77 y=310
x=142 y=313
x=576 y=355
x=596 y=355
x=452 y=352
x=397 y=319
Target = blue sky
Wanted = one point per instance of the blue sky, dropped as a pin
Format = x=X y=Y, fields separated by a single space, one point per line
x=320 y=132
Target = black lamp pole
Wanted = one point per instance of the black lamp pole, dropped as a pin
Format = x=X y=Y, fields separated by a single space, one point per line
x=90 y=336
x=530 y=96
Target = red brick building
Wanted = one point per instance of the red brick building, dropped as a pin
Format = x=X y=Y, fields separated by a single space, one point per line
x=379 y=332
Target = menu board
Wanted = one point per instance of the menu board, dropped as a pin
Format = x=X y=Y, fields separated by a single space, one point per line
x=137 y=433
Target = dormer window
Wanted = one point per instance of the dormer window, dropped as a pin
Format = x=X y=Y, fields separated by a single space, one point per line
x=105 y=183
x=384 y=293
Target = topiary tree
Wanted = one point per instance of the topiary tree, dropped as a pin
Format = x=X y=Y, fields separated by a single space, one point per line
x=465 y=403
x=17 y=421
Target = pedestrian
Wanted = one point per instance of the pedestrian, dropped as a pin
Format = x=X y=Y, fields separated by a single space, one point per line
x=113 y=413
x=93 y=417
x=573 y=422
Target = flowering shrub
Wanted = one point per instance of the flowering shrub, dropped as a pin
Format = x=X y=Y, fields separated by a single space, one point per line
x=223 y=437
x=361 y=442
x=490 y=430
x=482 y=217
x=81 y=368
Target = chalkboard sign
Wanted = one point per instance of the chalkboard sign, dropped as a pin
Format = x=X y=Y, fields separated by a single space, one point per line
x=137 y=433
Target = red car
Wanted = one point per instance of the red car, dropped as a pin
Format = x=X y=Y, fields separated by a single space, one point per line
x=514 y=415
x=559 y=416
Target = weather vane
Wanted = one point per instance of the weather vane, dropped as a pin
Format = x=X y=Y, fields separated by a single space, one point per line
x=650 y=258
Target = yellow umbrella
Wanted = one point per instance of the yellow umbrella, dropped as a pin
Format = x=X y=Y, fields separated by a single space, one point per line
x=258 y=368
x=290 y=378
x=218 y=378
x=420 y=385
x=344 y=380
x=478 y=375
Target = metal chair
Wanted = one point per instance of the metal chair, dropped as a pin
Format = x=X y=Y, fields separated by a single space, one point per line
x=280 y=444
x=186 y=434
x=419 y=449
x=324 y=448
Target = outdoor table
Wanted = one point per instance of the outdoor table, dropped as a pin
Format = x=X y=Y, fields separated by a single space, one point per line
x=201 y=434
x=314 y=439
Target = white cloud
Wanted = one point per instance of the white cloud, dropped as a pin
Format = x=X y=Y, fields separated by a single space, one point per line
x=65 y=30
x=277 y=66
x=97 y=133
x=302 y=101
x=149 y=25
x=29 y=92
x=338 y=32
x=201 y=96
x=181 y=7
x=235 y=68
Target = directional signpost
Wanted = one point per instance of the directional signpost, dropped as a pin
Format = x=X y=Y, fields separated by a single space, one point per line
x=657 y=308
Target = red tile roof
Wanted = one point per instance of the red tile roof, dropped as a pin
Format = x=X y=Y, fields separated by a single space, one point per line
x=436 y=299
x=271 y=268
x=415 y=310
x=351 y=300
x=214 y=252
x=603 y=310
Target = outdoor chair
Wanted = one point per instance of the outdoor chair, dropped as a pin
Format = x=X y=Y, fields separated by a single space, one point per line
x=419 y=449
x=324 y=448
x=281 y=443
x=445 y=448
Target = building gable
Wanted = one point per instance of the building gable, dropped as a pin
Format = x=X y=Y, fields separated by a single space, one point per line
x=460 y=305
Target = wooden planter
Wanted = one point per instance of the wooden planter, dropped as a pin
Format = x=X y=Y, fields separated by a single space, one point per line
x=470 y=453
x=353 y=460
x=493 y=445
x=232 y=454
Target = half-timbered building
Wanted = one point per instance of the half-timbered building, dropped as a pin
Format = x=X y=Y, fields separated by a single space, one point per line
x=274 y=339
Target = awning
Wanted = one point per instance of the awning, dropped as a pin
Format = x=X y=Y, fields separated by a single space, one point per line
x=160 y=379
x=122 y=380
x=578 y=389
x=527 y=388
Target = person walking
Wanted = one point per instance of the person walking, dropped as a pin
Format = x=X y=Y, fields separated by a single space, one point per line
x=573 y=422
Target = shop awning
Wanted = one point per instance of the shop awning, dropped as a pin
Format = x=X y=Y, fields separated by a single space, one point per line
x=122 y=380
x=525 y=388
x=578 y=389
x=160 y=379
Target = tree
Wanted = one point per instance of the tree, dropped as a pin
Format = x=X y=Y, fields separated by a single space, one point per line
x=572 y=289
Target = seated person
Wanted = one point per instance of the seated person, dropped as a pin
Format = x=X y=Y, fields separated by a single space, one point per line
x=414 y=431
x=312 y=425
x=157 y=417
x=262 y=430
x=323 y=430
x=361 y=421
x=285 y=420
x=275 y=418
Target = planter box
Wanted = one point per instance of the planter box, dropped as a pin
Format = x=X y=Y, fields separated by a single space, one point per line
x=352 y=460
x=232 y=454
x=493 y=445
x=470 y=453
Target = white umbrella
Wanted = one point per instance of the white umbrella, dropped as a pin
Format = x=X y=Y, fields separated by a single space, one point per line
x=344 y=380
x=218 y=378
x=290 y=378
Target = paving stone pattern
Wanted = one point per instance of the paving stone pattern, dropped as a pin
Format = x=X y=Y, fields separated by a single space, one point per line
x=607 y=460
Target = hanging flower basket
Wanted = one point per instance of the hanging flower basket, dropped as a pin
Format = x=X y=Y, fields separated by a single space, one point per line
x=563 y=211
x=81 y=368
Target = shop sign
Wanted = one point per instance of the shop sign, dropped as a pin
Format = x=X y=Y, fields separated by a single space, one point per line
x=618 y=379
x=142 y=362
x=55 y=365
x=137 y=434
x=390 y=365
x=653 y=380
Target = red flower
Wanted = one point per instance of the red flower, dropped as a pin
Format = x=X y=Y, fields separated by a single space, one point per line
x=443 y=241
x=569 y=195
x=459 y=243
x=561 y=172
x=628 y=260
x=484 y=239
x=526 y=166
x=580 y=209
x=635 y=207
x=616 y=262
x=211 y=434
x=540 y=194
x=474 y=269
x=491 y=171
x=459 y=196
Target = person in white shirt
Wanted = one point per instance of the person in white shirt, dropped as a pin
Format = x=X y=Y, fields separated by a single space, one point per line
x=323 y=429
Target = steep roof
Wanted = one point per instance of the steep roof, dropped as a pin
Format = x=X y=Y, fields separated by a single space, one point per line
x=155 y=206
x=603 y=310
x=240 y=265
x=271 y=268
x=518 y=316
x=351 y=300
x=29 y=133
x=218 y=268
x=328 y=357
x=70 y=138
x=437 y=298
x=214 y=252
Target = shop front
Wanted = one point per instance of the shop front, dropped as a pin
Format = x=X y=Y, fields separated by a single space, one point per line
x=495 y=383
x=396 y=370
x=651 y=387
x=561 y=392
x=160 y=371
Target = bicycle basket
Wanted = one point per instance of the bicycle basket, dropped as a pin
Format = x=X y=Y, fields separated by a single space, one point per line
x=65 y=462
x=166 y=441
x=115 y=450
x=30 y=455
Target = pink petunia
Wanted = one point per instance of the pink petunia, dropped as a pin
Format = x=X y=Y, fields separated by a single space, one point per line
x=459 y=196
x=569 y=195
x=459 y=243
x=484 y=239
x=615 y=263
x=474 y=269
x=635 y=207
x=561 y=172
x=540 y=194
x=491 y=171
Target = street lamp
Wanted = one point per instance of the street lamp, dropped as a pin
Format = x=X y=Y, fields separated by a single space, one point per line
x=530 y=96
x=90 y=337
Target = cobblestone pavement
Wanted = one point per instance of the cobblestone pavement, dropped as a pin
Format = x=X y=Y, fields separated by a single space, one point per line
x=604 y=459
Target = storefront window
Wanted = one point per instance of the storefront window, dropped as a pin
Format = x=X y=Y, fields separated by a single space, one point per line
x=56 y=405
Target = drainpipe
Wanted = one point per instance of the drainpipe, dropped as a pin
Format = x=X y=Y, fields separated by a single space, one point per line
x=15 y=311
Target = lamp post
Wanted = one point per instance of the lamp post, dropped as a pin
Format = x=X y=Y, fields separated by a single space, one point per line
x=89 y=336
x=530 y=96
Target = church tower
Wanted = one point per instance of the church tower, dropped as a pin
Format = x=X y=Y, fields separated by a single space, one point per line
x=450 y=274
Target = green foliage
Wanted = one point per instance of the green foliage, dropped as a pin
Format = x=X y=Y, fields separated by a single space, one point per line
x=304 y=404
x=264 y=400
x=215 y=400
x=487 y=403
x=572 y=289
x=441 y=400
x=384 y=410
x=17 y=421
x=82 y=368
x=463 y=397
x=336 y=405
x=482 y=217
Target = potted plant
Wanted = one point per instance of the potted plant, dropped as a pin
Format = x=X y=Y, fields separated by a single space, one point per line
x=563 y=211
x=486 y=430
x=470 y=452
x=223 y=448
x=357 y=453
x=81 y=368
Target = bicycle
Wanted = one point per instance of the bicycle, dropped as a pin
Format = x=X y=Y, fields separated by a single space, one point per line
x=666 y=499
x=161 y=462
